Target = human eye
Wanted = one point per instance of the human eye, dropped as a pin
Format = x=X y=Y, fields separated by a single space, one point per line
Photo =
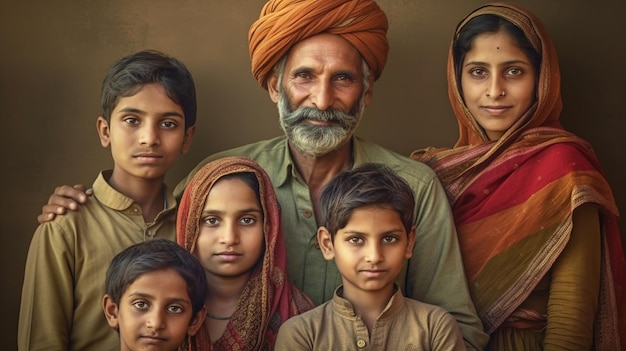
x=211 y=221
x=169 y=124
x=248 y=220
x=477 y=72
x=389 y=239
x=175 y=309
x=344 y=77
x=355 y=240
x=302 y=75
x=515 y=71
x=140 y=305
x=132 y=120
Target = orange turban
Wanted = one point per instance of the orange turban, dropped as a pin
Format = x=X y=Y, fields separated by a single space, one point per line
x=283 y=23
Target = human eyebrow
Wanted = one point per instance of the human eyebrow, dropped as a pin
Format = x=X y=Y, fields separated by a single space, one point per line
x=301 y=70
x=137 y=111
x=140 y=295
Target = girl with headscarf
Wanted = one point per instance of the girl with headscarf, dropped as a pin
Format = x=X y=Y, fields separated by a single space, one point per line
x=229 y=219
x=536 y=219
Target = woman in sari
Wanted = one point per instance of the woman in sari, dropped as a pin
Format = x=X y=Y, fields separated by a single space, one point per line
x=536 y=219
x=229 y=219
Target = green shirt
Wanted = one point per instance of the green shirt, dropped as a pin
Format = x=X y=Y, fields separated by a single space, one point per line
x=61 y=307
x=433 y=275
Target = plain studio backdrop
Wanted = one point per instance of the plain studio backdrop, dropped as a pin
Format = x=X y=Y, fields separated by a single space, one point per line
x=55 y=55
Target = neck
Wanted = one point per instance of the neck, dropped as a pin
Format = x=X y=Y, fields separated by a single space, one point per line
x=224 y=293
x=317 y=171
x=222 y=302
x=369 y=305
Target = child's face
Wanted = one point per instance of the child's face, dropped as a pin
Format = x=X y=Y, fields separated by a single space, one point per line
x=146 y=134
x=231 y=236
x=369 y=251
x=154 y=312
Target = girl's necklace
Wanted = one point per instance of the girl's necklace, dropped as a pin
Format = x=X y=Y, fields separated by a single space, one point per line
x=219 y=318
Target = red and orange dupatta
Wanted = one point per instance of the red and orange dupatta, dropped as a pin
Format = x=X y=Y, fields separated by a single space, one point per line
x=268 y=299
x=513 y=198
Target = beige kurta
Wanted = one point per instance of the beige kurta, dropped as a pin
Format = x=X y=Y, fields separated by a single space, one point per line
x=66 y=266
x=404 y=324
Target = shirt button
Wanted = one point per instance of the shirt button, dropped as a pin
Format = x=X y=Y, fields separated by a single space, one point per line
x=360 y=344
x=307 y=213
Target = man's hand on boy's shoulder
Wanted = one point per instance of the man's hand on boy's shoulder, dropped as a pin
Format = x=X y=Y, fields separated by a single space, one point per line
x=65 y=197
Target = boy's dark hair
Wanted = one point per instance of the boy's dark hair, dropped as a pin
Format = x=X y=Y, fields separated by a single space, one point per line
x=126 y=76
x=370 y=184
x=153 y=255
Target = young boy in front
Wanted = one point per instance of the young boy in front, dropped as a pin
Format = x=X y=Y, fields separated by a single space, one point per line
x=367 y=216
x=155 y=294
x=149 y=112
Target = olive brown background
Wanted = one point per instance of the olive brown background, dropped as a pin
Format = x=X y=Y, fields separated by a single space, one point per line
x=54 y=55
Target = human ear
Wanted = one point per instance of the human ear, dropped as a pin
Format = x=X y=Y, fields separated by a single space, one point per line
x=272 y=88
x=110 y=311
x=325 y=241
x=196 y=323
x=189 y=133
x=410 y=244
x=104 y=131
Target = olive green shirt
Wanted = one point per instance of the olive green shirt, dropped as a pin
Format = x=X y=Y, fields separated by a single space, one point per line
x=61 y=307
x=433 y=275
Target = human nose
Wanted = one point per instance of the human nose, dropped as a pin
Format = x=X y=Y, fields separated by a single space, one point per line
x=149 y=135
x=155 y=320
x=374 y=253
x=229 y=235
x=323 y=95
x=495 y=89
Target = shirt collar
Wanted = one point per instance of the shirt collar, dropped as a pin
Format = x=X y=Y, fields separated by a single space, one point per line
x=118 y=201
x=288 y=168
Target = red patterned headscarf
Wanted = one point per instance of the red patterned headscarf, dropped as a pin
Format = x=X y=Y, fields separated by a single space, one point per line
x=268 y=295
x=283 y=23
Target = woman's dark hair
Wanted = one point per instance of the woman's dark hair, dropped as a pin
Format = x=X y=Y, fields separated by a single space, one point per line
x=490 y=24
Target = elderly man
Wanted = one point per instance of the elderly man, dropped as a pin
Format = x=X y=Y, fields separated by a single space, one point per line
x=319 y=60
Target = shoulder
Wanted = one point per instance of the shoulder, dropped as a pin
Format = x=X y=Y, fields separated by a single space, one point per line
x=411 y=170
x=302 y=329
x=427 y=308
x=429 y=314
x=309 y=322
x=256 y=150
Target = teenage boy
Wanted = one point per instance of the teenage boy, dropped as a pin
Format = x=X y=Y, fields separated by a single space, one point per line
x=367 y=216
x=155 y=294
x=149 y=113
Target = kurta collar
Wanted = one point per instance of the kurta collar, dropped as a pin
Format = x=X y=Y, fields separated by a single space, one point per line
x=112 y=198
x=345 y=309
